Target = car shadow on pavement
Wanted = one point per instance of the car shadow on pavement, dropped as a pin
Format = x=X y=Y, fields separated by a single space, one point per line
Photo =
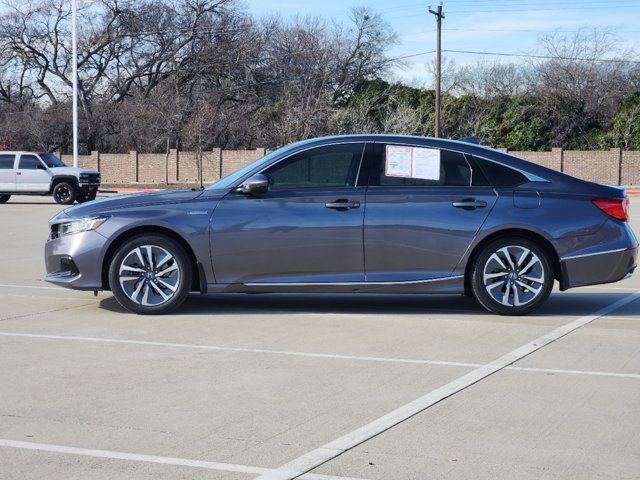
x=559 y=304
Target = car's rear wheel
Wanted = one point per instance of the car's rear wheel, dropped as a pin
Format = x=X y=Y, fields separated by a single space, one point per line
x=64 y=193
x=512 y=276
x=4 y=198
x=150 y=274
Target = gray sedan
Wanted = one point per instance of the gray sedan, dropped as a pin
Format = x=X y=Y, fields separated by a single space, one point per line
x=357 y=213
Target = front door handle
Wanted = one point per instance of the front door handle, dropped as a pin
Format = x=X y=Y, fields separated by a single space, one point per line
x=470 y=204
x=342 y=204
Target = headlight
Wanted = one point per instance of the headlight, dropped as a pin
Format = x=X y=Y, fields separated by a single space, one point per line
x=76 y=226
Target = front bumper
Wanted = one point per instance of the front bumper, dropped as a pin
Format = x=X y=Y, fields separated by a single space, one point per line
x=74 y=261
x=601 y=267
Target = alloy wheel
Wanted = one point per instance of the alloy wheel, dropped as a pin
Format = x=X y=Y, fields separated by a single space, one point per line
x=514 y=276
x=149 y=275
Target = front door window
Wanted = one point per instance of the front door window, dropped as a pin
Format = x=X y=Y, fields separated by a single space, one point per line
x=334 y=166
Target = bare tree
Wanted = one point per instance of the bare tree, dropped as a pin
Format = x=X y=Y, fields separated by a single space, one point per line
x=578 y=90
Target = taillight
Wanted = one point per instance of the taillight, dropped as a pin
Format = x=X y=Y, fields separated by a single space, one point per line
x=617 y=208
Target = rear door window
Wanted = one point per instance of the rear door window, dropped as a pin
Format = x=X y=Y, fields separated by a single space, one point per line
x=413 y=166
x=7 y=161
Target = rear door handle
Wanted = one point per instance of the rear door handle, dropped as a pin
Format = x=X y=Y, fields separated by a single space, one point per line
x=470 y=204
x=342 y=204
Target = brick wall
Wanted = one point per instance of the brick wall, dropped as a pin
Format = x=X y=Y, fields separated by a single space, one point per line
x=630 y=168
x=596 y=166
x=603 y=166
x=612 y=167
x=233 y=160
x=552 y=159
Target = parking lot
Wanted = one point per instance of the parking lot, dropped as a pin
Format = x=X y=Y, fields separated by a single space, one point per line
x=322 y=387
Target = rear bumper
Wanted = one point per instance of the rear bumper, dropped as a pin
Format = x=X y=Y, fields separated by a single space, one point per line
x=596 y=268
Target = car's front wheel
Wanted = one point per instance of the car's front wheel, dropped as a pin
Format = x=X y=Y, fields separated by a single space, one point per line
x=4 y=198
x=512 y=276
x=64 y=193
x=150 y=274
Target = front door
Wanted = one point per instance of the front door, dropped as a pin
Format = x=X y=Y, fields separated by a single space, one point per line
x=7 y=172
x=307 y=228
x=423 y=211
x=32 y=175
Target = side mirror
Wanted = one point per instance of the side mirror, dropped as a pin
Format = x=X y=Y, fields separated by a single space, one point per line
x=257 y=184
x=40 y=167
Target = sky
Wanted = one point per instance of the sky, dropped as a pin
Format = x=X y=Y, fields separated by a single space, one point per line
x=509 y=26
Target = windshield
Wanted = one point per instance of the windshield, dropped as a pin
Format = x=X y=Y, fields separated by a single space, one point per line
x=230 y=179
x=51 y=160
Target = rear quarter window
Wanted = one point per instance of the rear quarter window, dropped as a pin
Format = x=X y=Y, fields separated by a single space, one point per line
x=500 y=175
x=455 y=171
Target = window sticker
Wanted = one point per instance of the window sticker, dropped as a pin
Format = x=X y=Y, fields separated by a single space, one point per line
x=412 y=162
x=426 y=163
x=398 y=162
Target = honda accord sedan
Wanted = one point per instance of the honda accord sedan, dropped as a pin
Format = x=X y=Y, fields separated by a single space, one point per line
x=357 y=213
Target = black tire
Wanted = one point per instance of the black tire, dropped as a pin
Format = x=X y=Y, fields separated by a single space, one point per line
x=86 y=197
x=161 y=245
x=65 y=193
x=521 y=280
x=4 y=198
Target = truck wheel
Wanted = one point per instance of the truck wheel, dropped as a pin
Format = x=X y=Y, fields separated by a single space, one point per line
x=65 y=193
x=4 y=198
x=86 y=197
x=150 y=274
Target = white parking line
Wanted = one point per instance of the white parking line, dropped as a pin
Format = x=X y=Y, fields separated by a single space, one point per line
x=414 y=361
x=239 y=349
x=633 y=319
x=313 y=459
x=575 y=372
x=6 y=285
x=134 y=457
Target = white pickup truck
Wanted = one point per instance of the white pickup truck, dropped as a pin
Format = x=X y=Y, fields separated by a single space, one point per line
x=28 y=173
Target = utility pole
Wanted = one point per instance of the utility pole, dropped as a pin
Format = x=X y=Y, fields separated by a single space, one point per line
x=439 y=16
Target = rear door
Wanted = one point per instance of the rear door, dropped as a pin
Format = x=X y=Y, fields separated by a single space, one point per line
x=7 y=172
x=422 y=212
x=32 y=174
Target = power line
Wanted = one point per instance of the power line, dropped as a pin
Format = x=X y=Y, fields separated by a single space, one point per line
x=586 y=29
x=594 y=7
x=508 y=5
x=522 y=55
x=545 y=57
x=507 y=11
